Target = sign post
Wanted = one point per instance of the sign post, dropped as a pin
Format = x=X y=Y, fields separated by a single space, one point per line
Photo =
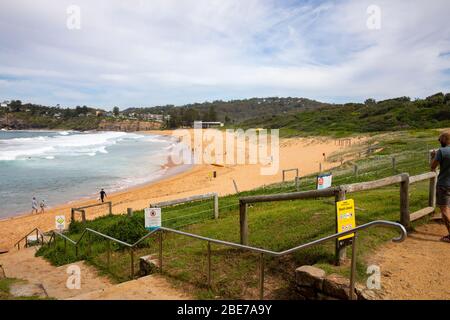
x=324 y=181
x=152 y=218
x=345 y=211
x=60 y=223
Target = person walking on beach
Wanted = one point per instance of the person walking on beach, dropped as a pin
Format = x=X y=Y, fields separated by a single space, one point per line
x=42 y=205
x=34 y=206
x=102 y=195
x=441 y=158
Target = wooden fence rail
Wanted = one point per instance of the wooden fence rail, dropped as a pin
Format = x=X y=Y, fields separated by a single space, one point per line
x=82 y=210
x=340 y=192
x=199 y=197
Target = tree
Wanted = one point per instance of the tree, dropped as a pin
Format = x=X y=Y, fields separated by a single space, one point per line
x=15 y=105
x=116 y=111
x=370 y=102
x=211 y=115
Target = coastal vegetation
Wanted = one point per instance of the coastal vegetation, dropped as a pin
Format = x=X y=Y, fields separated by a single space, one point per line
x=276 y=226
x=294 y=115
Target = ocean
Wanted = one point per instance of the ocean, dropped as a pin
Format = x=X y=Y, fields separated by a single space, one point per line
x=62 y=166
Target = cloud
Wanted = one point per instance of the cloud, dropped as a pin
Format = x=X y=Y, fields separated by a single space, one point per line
x=138 y=53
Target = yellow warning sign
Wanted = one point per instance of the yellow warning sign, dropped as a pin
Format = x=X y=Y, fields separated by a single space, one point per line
x=345 y=217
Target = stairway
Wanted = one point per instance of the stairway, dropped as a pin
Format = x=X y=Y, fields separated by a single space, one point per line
x=37 y=271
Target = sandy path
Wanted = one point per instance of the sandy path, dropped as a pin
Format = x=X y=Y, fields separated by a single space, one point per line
x=302 y=153
x=24 y=265
x=417 y=268
x=153 y=287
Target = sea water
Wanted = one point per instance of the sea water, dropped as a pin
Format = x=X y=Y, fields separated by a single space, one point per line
x=61 y=166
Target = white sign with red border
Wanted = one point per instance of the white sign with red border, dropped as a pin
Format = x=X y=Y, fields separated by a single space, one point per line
x=152 y=218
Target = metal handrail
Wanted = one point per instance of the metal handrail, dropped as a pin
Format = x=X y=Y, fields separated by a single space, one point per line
x=300 y=247
x=38 y=233
x=377 y=223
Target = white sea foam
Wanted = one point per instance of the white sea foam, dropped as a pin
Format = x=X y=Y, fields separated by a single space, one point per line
x=65 y=144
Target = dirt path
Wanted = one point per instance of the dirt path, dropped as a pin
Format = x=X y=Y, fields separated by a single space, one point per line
x=152 y=287
x=24 y=265
x=417 y=268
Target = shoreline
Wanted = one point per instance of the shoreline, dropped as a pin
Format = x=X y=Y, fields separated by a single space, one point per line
x=303 y=153
x=167 y=170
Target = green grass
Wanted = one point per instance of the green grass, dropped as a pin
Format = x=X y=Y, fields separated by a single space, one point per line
x=276 y=226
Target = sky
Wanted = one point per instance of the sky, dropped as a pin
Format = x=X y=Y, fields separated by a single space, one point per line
x=135 y=53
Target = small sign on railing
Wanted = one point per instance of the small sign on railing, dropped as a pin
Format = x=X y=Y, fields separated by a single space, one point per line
x=324 y=181
x=60 y=223
x=345 y=211
x=152 y=218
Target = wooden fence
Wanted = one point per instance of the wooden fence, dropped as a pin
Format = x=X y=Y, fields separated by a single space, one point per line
x=82 y=210
x=340 y=192
x=199 y=197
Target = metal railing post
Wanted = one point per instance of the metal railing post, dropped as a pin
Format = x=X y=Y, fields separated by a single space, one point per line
x=160 y=251
x=89 y=244
x=132 y=263
x=353 y=269
x=108 y=253
x=261 y=276
x=209 y=263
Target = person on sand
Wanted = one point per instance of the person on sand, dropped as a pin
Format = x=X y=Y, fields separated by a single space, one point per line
x=441 y=158
x=42 y=205
x=34 y=206
x=102 y=195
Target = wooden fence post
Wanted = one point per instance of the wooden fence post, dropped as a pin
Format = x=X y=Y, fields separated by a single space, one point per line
x=216 y=206
x=404 y=201
x=432 y=193
x=340 y=252
x=235 y=187
x=243 y=222
x=72 y=215
x=110 y=208
x=355 y=169
x=83 y=216
x=394 y=164
x=130 y=212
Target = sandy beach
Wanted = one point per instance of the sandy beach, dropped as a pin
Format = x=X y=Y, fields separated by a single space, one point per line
x=302 y=153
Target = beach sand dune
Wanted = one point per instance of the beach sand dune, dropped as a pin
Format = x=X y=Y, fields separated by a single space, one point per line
x=302 y=153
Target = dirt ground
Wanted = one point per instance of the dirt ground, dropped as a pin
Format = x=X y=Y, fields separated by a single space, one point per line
x=24 y=265
x=417 y=268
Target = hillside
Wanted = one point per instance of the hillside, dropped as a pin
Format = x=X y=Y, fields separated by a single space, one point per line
x=20 y=116
x=388 y=115
x=296 y=115
x=230 y=112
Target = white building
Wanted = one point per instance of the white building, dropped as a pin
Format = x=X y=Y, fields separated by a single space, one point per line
x=207 y=124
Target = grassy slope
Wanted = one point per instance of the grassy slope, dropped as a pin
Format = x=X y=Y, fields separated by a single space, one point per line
x=276 y=226
x=389 y=115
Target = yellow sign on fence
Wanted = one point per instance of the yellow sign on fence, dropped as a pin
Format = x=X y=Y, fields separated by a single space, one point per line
x=345 y=217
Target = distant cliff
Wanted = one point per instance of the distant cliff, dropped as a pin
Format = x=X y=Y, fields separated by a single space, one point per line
x=128 y=125
x=19 y=121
